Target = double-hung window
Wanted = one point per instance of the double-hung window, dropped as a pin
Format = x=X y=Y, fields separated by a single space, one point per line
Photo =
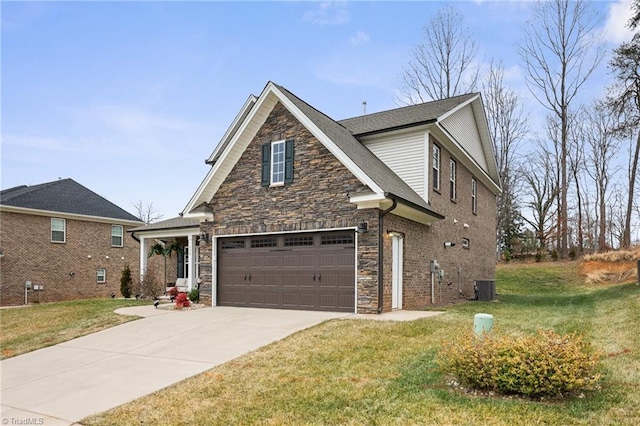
x=101 y=275
x=435 y=166
x=58 y=230
x=117 y=232
x=277 y=163
x=452 y=179
x=474 y=196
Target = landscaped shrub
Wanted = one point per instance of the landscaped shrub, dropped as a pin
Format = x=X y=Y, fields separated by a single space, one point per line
x=194 y=295
x=182 y=301
x=150 y=285
x=542 y=365
x=126 y=282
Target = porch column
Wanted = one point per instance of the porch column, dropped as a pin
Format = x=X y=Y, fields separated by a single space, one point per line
x=191 y=246
x=143 y=257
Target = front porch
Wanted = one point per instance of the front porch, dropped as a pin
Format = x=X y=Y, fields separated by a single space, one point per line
x=171 y=249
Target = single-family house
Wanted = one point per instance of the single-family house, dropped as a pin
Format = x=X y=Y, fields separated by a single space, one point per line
x=389 y=210
x=61 y=241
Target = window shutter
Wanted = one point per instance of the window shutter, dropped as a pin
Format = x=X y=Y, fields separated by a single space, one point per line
x=288 y=161
x=266 y=166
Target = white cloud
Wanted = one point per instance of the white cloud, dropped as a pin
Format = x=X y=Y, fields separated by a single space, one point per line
x=328 y=13
x=359 y=38
x=615 y=29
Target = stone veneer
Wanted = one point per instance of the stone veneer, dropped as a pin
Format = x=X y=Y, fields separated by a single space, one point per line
x=318 y=199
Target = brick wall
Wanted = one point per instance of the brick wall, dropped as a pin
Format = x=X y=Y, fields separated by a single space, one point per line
x=29 y=254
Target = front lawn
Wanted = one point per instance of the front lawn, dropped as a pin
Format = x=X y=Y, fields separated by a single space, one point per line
x=28 y=328
x=368 y=372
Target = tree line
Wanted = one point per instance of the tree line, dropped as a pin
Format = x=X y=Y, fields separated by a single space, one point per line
x=573 y=190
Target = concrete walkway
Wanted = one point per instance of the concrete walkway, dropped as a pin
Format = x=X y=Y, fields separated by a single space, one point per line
x=64 y=383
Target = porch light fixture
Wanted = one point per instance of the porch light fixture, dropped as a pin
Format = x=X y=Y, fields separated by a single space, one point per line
x=362 y=227
x=449 y=244
x=204 y=237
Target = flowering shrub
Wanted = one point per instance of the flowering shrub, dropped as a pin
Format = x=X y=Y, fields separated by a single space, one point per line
x=173 y=292
x=544 y=364
x=182 y=301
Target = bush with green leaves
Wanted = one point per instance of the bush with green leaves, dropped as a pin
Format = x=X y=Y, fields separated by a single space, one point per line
x=194 y=295
x=126 y=282
x=542 y=365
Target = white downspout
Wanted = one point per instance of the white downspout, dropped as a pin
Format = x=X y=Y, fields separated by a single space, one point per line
x=143 y=257
x=433 y=296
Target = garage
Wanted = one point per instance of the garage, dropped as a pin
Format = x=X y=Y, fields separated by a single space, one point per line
x=309 y=271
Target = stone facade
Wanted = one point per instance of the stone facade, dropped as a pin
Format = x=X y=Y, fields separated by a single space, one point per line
x=318 y=199
x=66 y=271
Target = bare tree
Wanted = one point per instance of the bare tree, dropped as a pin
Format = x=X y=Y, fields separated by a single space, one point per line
x=541 y=190
x=508 y=126
x=576 y=156
x=598 y=128
x=443 y=64
x=146 y=212
x=560 y=50
x=624 y=99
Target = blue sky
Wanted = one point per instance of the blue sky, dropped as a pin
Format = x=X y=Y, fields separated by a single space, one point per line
x=129 y=98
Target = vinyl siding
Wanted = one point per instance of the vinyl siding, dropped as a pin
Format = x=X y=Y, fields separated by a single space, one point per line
x=462 y=126
x=405 y=155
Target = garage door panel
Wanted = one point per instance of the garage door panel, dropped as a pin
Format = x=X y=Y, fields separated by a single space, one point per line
x=301 y=271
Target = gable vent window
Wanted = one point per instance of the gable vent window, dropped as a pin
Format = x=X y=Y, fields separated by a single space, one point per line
x=117 y=231
x=436 y=167
x=58 y=230
x=277 y=163
x=452 y=179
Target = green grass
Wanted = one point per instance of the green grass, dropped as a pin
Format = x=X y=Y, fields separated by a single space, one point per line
x=25 y=329
x=348 y=372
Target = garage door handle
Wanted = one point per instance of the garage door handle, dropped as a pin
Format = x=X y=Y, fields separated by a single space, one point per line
x=249 y=277
x=320 y=277
x=245 y=277
x=314 y=277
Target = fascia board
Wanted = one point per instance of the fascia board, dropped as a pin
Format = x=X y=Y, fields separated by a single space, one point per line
x=63 y=215
x=168 y=233
x=196 y=199
x=457 y=108
x=469 y=161
x=328 y=143
x=248 y=104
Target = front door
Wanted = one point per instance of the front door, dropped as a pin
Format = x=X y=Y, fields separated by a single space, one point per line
x=397 y=241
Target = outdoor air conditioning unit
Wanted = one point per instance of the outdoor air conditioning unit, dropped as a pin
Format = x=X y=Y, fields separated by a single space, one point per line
x=486 y=290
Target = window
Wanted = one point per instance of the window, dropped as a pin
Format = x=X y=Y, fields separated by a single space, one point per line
x=436 y=167
x=465 y=243
x=58 y=230
x=452 y=179
x=277 y=163
x=336 y=239
x=263 y=242
x=233 y=244
x=101 y=275
x=306 y=240
x=474 y=194
x=117 y=231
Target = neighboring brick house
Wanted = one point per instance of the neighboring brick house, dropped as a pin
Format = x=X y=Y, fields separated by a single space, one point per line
x=68 y=241
x=299 y=211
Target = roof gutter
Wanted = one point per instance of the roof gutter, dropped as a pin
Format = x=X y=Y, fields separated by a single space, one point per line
x=381 y=216
x=133 y=235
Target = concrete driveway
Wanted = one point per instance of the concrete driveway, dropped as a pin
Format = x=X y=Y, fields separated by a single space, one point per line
x=64 y=383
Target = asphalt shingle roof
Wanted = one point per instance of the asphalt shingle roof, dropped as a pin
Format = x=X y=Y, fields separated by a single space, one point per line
x=173 y=223
x=64 y=196
x=399 y=118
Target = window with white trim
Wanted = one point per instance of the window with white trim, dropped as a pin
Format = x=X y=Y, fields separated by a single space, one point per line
x=452 y=178
x=277 y=163
x=58 y=230
x=435 y=166
x=101 y=275
x=474 y=196
x=117 y=232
